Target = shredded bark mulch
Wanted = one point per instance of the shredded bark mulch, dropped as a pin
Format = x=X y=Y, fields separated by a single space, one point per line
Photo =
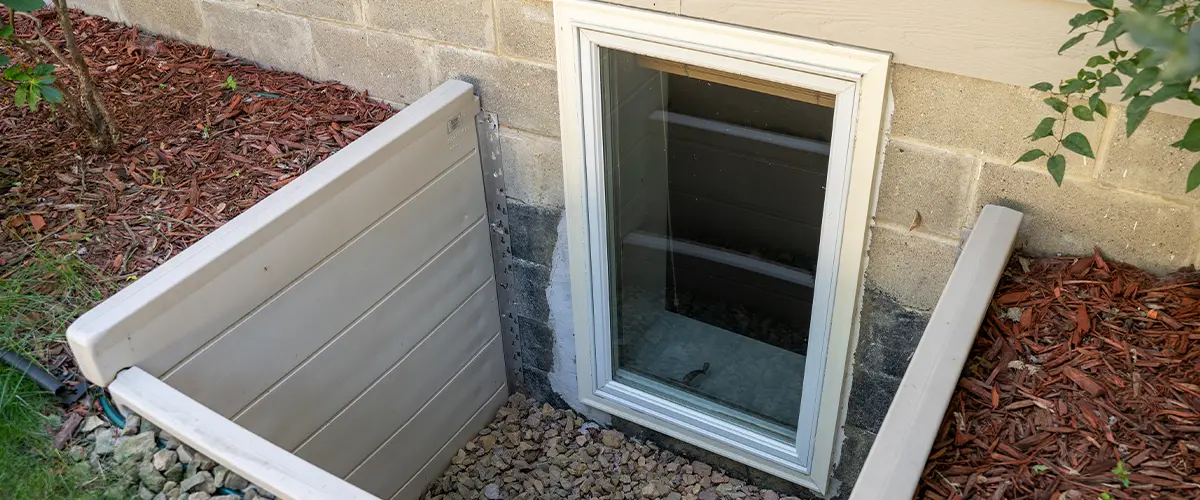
x=1082 y=384
x=193 y=154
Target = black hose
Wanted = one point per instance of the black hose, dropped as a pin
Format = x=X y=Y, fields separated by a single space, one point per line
x=35 y=373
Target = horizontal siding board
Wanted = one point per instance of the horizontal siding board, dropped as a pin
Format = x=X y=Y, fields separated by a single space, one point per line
x=332 y=378
x=436 y=465
x=394 y=398
x=254 y=354
x=169 y=313
x=404 y=454
x=189 y=300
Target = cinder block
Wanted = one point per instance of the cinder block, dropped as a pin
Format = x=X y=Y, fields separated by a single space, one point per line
x=103 y=8
x=911 y=269
x=926 y=180
x=341 y=10
x=855 y=448
x=392 y=67
x=533 y=231
x=530 y=281
x=979 y=116
x=268 y=38
x=461 y=22
x=1147 y=161
x=523 y=94
x=1143 y=230
x=537 y=344
x=870 y=397
x=525 y=28
x=179 y=19
x=532 y=167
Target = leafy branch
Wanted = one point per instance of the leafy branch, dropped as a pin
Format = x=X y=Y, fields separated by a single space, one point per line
x=33 y=81
x=1164 y=68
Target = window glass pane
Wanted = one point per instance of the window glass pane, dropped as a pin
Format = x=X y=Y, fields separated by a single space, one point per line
x=715 y=191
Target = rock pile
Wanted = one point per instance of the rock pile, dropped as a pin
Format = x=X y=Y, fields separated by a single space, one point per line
x=542 y=452
x=149 y=464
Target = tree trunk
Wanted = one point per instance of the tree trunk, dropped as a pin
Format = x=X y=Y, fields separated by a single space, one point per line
x=92 y=113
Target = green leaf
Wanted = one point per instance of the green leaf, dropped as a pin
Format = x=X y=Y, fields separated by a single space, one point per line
x=1144 y=80
x=1191 y=139
x=1044 y=129
x=1146 y=57
x=1136 y=112
x=6 y=31
x=1096 y=61
x=4 y=60
x=1193 y=179
x=11 y=72
x=23 y=5
x=43 y=69
x=1112 y=32
x=1110 y=80
x=52 y=94
x=1101 y=4
x=47 y=79
x=1073 y=85
x=1168 y=92
x=1055 y=103
x=1042 y=86
x=1147 y=6
x=1127 y=67
x=35 y=95
x=1083 y=113
x=1072 y=42
x=1078 y=143
x=1086 y=18
x=1098 y=105
x=21 y=95
x=1057 y=166
x=1030 y=155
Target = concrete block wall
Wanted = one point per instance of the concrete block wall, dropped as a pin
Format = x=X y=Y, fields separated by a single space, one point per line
x=949 y=151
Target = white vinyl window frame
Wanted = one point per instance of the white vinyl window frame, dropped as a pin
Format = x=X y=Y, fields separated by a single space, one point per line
x=858 y=79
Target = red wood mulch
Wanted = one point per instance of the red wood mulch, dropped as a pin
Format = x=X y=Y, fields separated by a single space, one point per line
x=193 y=155
x=1080 y=363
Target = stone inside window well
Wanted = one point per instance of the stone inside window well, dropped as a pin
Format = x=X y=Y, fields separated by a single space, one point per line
x=538 y=451
x=150 y=464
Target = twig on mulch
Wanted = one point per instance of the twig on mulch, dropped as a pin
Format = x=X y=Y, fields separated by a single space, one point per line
x=194 y=156
x=1084 y=383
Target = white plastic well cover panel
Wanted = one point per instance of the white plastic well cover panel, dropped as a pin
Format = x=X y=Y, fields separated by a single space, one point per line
x=363 y=288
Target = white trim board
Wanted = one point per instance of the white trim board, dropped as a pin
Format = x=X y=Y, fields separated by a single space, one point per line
x=858 y=78
x=897 y=458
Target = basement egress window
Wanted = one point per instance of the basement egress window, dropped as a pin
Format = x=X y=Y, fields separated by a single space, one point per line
x=719 y=183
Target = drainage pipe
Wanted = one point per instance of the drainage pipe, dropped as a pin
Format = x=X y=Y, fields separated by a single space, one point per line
x=35 y=373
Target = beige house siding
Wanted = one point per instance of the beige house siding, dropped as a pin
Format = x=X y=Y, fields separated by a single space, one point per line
x=961 y=108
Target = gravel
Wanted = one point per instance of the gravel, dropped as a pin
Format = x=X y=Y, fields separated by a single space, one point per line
x=532 y=451
x=528 y=451
x=146 y=463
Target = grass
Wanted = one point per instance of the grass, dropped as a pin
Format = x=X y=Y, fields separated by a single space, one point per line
x=38 y=300
x=30 y=468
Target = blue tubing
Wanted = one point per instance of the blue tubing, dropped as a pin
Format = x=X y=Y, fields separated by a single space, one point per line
x=112 y=412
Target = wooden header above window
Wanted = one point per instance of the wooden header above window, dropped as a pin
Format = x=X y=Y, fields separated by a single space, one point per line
x=736 y=80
